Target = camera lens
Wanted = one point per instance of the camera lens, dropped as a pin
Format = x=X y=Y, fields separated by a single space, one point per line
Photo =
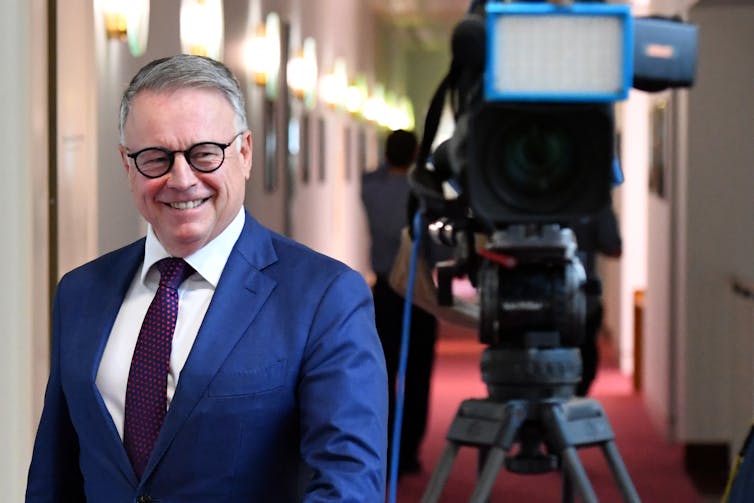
x=537 y=159
x=539 y=162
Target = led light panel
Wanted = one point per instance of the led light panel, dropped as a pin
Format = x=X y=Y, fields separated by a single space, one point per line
x=542 y=52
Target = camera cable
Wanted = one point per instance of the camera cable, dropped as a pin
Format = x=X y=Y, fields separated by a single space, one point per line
x=402 y=362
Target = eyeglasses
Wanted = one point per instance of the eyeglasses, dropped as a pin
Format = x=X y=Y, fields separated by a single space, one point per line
x=205 y=157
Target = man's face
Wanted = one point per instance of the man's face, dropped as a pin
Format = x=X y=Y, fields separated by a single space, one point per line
x=186 y=208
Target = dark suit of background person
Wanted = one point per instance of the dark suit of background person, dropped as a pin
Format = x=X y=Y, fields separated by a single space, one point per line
x=385 y=195
x=595 y=234
x=282 y=396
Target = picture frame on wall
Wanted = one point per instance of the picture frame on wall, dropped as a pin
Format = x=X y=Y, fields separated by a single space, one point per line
x=322 y=149
x=293 y=152
x=270 y=147
x=658 y=148
x=361 y=150
x=348 y=152
x=305 y=150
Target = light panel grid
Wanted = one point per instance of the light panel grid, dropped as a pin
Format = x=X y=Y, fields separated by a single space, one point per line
x=558 y=55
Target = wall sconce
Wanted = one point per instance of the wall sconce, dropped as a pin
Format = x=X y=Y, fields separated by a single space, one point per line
x=356 y=96
x=115 y=19
x=398 y=114
x=333 y=86
x=407 y=119
x=388 y=110
x=127 y=21
x=202 y=30
x=388 y=116
x=302 y=73
x=375 y=103
x=262 y=57
x=256 y=56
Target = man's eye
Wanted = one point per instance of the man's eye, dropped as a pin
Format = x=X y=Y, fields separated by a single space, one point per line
x=206 y=154
x=153 y=158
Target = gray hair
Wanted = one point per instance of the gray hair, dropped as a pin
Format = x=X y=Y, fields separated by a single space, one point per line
x=185 y=72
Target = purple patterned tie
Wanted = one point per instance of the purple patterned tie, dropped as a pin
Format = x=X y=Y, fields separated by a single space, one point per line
x=146 y=393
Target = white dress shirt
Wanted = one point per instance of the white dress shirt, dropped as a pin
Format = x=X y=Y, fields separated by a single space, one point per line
x=195 y=294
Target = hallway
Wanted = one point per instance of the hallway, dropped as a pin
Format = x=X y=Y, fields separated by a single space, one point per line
x=655 y=466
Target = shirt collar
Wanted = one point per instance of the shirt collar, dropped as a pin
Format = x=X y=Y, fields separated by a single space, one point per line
x=209 y=260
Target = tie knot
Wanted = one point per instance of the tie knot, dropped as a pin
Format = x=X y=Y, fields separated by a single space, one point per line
x=173 y=271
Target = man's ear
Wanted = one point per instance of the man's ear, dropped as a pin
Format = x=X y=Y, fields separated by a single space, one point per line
x=123 y=157
x=246 y=153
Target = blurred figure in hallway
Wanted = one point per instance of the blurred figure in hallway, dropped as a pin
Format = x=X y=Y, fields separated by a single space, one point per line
x=595 y=234
x=385 y=194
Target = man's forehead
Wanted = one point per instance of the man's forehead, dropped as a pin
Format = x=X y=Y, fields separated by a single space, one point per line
x=176 y=93
x=188 y=102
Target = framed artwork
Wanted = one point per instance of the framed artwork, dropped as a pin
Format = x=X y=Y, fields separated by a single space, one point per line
x=322 y=150
x=305 y=151
x=348 y=151
x=293 y=155
x=270 y=147
x=658 y=149
x=361 y=149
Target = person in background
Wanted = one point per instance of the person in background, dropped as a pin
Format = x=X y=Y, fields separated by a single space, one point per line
x=595 y=234
x=385 y=194
x=256 y=373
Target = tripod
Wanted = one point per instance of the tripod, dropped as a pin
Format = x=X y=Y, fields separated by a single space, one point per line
x=496 y=424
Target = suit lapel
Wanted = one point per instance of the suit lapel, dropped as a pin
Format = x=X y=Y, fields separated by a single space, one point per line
x=240 y=293
x=101 y=306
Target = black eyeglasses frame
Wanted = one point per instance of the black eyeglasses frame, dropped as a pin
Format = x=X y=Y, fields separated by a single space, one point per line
x=186 y=152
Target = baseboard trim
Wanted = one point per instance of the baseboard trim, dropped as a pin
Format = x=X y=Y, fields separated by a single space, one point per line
x=707 y=465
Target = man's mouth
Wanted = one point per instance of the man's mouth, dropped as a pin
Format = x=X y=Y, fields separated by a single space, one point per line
x=187 y=205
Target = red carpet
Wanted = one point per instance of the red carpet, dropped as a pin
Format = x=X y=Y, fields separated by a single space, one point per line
x=655 y=466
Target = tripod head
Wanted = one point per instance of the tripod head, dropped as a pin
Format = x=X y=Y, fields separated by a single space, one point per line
x=532 y=310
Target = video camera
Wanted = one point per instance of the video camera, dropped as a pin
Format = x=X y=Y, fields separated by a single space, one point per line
x=532 y=86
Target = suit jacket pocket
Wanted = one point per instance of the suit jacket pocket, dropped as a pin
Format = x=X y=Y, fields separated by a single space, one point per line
x=241 y=382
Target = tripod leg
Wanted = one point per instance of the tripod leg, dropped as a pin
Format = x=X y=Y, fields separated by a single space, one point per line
x=567 y=487
x=577 y=474
x=441 y=473
x=495 y=458
x=620 y=473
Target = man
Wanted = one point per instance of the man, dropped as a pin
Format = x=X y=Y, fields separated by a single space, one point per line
x=274 y=380
x=385 y=194
x=595 y=234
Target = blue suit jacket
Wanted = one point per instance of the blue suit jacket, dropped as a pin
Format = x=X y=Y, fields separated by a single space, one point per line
x=283 y=396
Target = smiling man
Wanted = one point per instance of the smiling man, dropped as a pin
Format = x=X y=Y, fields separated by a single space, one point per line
x=212 y=360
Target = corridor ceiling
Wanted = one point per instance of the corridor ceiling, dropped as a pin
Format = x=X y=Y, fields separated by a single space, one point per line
x=428 y=22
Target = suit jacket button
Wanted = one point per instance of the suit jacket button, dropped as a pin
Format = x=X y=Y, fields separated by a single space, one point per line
x=144 y=499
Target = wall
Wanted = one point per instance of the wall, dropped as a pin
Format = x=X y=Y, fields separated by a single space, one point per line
x=718 y=213
x=630 y=201
x=701 y=237
x=76 y=138
x=23 y=256
x=658 y=333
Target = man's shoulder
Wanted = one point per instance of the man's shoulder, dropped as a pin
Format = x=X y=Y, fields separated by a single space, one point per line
x=288 y=252
x=110 y=270
x=371 y=178
x=295 y=252
x=110 y=261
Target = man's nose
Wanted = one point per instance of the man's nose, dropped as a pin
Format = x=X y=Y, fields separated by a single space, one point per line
x=181 y=174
